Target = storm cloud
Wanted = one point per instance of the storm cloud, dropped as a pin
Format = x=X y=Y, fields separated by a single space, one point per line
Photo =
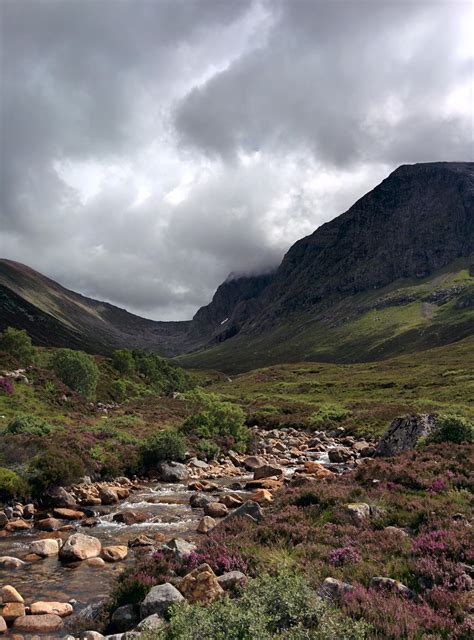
x=150 y=148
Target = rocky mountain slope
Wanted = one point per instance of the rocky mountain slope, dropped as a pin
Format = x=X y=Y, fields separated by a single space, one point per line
x=393 y=274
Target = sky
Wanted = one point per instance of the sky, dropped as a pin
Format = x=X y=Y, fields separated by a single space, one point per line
x=149 y=148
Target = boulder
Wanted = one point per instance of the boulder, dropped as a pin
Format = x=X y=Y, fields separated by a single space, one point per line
x=108 y=495
x=49 y=524
x=159 y=599
x=29 y=511
x=45 y=547
x=3 y=519
x=10 y=594
x=231 y=579
x=206 y=524
x=173 y=472
x=198 y=464
x=97 y=563
x=179 y=547
x=38 y=624
x=3 y=625
x=381 y=583
x=125 y=618
x=18 y=525
x=198 y=500
x=215 y=510
x=130 y=517
x=334 y=589
x=249 y=509
x=114 y=553
x=201 y=585
x=13 y=610
x=58 y=497
x=262 y=495
x=80 y=547
x=141 y=541
x=317 y=470
x=357 y=512
x=151 y=623
x=267 y=471
x=404 y=433
x=231 y=501
x=61 y=609
x=68 y=514
x=9 y=562
x=340 y=455
x=252 y=462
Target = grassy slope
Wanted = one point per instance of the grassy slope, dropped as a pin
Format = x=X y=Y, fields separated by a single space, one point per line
x=369 y=326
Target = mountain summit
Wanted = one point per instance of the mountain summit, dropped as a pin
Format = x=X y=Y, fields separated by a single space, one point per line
x=392 y=274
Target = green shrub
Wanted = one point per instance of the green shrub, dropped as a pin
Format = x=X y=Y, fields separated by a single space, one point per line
x=17 y=343
x=269 y=608
x=24 y=423
x=56 y=467
x=77 y=370
x=118 y=390
x=168 y=444
x=162 y=375
x=328 y=414
x=123 y=361
x=217 y=419
x=452 y=428
x=208 y=449
x=12 y=485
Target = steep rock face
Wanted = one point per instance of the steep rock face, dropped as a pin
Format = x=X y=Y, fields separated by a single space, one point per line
x=416 y=221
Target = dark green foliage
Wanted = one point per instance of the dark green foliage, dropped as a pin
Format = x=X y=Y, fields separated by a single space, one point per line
x=168 y=444
x=208 y=449
x=17 y=343
x=12 y=485
x=55 y=467
x=328 y=415
x=123 y=361
x=162 y=375
x=452 y=428
x=118 y=389
x=24 y=423
x=216 y=419
x=77 y=370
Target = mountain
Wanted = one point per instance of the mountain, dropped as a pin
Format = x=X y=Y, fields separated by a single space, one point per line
x=393 y=274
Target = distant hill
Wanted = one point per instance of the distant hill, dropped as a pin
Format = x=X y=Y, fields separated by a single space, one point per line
x=394 y=274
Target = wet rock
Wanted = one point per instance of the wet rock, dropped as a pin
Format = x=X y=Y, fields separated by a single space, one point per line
x=198 y=500
x=206 y=524
x=61 y=609
x=18 y=525
x=90 y=615
x=141 y=541
x=404 y=433
x=334 y=589
x=49 y=524
x=130 y=517
x=201 y=585
x=215 y=510
x=58 y=497
x=3 y=519
x=267 y=471
x=45 y=547
x=3 y=625
x=231 y=579
x=80 y=547
x=179 y=547
x=108 y=495
x=38 y=624
x=10 y=594
x=13 y=610
x=249 y=509
x=159 y=599
x=380 y=583
x=173 y=472
x=114 y=553
x=125 y=618
x=9 y=562
x=151 y=623
x=29 y=511
x=97 y=563
x=232 y=502
x=340 y=455
x=68 y=514
x=252 y=462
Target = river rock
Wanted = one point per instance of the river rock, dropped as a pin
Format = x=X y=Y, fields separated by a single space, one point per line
x=151 y=623
x=29 y=511
x=3 y=519
x=249 y=509
x=215 y=510
x=9 y=562
x=340 y=455
x=10 y=594
x=404 y=433
x=198 y=464
x=18 y=525
x=13 y=610
x=231 y=579
x=97 y=563
x=179 y=547
x=206 y=524
x=316 y=469
x=173 y=472
x=198 y=500
x=252 y=462
x=159 y=599
x=141 y=541
x=91 y=635
x=230 y=501
x=108 y=495
x=114 y=553
x=201 y=585
x=124 y=618
x=38 y=624
x=58 y=497
x=3 y=625
x=45 y=547
x=267 y=471
x=262 y=495
x=68 y=514
x=80 y=547
x=130 y=517
x=49 y=524
x=61 y=609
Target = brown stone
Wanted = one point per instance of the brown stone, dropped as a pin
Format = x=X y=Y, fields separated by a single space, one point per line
x=49 y=524
x=61 y=609
x=42 y=623
x=3 y=625
x=68 y=514
x=265 y=483
x=267 y=471
x=114 y=553
x=10 y=594
x=18 y=525
x=215 y=510
x=97 y=563
x=230 y=501
x=12 y=610
x=317 y=470
x=130 y=516
x=206 y=524
x=261 y=495
x=201 y=585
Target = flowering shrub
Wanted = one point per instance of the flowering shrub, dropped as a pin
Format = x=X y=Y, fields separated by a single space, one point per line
x=6 y=386
x=343 y=555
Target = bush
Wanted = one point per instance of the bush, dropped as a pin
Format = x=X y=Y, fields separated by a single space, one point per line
x=452 y=428
x=6 y=386
x=164 y=445
x=328 y=414
x=270 y=607
x=118 y=390
x=24 y=423
x=122 y=360
x=208 y=449
x=77 y=370
x=162 y=375
x=12 y=485
x=217 y=420
x=17 y=343
x=56 y=467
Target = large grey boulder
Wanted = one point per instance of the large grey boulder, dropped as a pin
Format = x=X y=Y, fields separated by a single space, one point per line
x=404 y=433
x=125 y=618
x=173 y=472
x=179 y=547
x=58 y=497
x=249 y=509
x=80 y=547
x=159 y=599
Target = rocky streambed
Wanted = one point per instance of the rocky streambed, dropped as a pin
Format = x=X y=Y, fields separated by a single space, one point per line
x=63 y=556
